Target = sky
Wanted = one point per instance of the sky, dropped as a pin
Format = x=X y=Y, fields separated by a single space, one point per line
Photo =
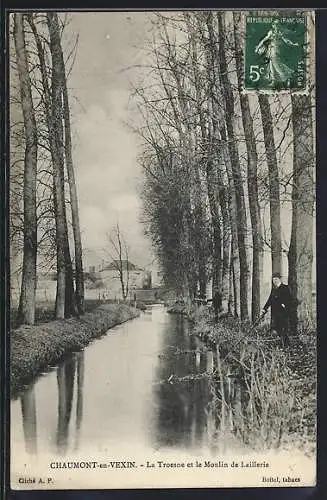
x=105 y=151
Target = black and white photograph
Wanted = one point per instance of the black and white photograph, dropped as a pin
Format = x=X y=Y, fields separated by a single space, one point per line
x=162 y=200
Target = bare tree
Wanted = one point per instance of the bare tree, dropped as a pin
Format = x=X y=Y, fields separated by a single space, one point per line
x=252 y=173
x=119 y=254
x=235 y=164
x=174 y=174
x=57 y=137
x=28 y=287
x=221 y=167
x=65 y=300
x=79 y=275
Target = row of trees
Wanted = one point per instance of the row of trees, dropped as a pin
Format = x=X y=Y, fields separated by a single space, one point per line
x=216 y=161
x=42 y=169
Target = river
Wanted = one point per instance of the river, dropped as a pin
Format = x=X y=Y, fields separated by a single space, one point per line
x=142 y=385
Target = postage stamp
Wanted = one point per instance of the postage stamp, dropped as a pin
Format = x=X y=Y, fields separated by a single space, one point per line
x=275 y=52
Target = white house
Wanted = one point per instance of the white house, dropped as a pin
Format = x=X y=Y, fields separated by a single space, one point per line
x=109 y=275
x=154 y=270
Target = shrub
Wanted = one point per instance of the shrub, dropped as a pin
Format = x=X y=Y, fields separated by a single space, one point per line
x=263 y=393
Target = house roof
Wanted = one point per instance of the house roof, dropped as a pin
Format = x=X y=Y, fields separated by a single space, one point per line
x=126 y=264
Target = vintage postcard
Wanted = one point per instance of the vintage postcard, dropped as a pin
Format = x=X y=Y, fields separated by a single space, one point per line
x=162 y=249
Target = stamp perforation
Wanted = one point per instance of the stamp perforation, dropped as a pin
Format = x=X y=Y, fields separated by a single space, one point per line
x=267 y=18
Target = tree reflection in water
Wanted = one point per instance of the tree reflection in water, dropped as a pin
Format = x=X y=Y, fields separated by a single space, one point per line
x=79 y=403
x=66 y=381
x=65 y=384
x=28 y=406
x=182 y=404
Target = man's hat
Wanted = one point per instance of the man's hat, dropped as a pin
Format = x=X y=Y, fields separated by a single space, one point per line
x=276 y=275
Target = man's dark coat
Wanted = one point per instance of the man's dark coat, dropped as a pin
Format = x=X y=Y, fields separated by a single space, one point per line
x=279 y=297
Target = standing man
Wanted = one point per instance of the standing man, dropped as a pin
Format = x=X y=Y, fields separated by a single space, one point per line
x=280 y=301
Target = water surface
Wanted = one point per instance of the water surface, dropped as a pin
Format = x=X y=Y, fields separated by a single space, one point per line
x=139 y=386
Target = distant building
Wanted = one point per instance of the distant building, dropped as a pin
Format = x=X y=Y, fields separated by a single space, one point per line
x=157 y=277
x=109 y=275
x=125 y=264
x=154 y=275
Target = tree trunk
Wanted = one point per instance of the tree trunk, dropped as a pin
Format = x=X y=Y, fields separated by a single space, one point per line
x=214 y=211
x=235 y=274
x=199 y=232
x=122 y=284
x=222 y=167
x=26 y=311
x=226 y=238
x=231 y=229
x=274 y=196
x=65 y=288
x=230 y=290
x=300 y=255
x=252 y=162
x=79 y=275
x=236 y=169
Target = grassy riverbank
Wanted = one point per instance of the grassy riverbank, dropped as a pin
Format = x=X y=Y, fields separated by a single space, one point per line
x=34 y=348
x=262 y=395
x=44 y=311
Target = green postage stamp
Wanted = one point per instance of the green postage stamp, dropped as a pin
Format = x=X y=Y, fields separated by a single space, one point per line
x=276 y=52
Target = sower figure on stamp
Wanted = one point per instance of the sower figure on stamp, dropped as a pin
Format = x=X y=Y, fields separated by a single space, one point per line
x=280 y=301
x=270 y=48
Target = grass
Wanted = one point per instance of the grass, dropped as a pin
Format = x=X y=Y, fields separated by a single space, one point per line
x=44 y=311
x=34 y=348
x=261 y=393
